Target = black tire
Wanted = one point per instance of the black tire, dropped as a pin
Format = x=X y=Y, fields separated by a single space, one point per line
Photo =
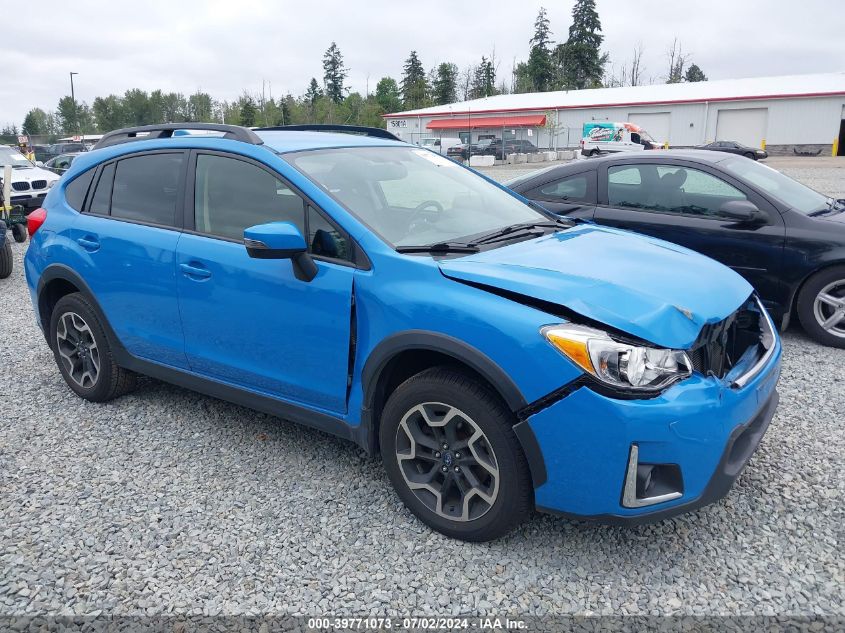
x=806 y=306
x=19 y=232
x=514 y=499
x=750 y=155
x=111 y=379
x=6 y=260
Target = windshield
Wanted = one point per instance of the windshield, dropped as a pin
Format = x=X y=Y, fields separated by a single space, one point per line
x=791 y=193
x=13 y=157
x=411 y=196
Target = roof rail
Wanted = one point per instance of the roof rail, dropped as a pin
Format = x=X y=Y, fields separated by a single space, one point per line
x=166 y=130
x=375 y=132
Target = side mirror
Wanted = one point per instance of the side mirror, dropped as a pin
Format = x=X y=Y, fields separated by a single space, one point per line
x=39 y=163
x=741 y=211
x=281 y=240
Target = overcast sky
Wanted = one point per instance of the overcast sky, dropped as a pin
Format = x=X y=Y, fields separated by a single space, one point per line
x=224 y=47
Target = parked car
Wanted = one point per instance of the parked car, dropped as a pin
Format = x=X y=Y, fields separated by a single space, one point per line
x=497 y=358
x=605 y=136
x=60 y=164
x=439 y=145
x=501 y=149
x=6 y=259
x=787 y=240
x=30 y=184
x=42 y=153
x=458 y=152
x=732 y=147
x=58 y=149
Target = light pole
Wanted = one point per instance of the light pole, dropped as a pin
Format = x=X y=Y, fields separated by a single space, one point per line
x=73 y=99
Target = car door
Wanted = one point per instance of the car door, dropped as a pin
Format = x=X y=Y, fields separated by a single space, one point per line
x=680 y=202
x=251 y=322
x=126 y=241
x=573 y=195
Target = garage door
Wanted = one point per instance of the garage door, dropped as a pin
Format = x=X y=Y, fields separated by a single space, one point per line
x=747 y=125
x=655 y=123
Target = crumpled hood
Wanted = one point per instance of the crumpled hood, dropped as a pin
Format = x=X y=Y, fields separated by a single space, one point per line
x=651 y=289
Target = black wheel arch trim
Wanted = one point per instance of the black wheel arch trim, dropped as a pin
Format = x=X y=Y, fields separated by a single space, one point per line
x=425 y=340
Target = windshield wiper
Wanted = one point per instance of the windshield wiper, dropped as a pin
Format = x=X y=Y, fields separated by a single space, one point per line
x=518 y=230
x=439 y=247
x=833 y=206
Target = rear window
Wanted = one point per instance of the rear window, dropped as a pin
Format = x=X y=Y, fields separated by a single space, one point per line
x=76 y=190
x=146 y=188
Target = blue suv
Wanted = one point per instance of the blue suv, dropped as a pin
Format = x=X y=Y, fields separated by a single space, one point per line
x=499 y=358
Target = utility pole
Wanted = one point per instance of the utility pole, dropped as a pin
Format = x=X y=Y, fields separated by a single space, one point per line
x=73 y=99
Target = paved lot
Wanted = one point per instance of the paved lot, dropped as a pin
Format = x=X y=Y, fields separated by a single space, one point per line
x=168 y=501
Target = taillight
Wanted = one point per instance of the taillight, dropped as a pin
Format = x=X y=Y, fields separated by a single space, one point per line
x=34 y=220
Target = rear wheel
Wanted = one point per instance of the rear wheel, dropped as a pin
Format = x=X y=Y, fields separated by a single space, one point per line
x=821 y=306
x=19 y=232
x=83 y=353
x=5 y=255
x=450 y=452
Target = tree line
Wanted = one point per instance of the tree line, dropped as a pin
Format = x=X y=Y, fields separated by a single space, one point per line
x=573 y=63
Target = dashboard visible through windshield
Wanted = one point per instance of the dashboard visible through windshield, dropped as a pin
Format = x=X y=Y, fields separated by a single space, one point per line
x=411 y=196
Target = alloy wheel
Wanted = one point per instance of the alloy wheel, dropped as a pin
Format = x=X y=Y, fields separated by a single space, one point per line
x=447 y=461
x=78 y=350
x=829 y=308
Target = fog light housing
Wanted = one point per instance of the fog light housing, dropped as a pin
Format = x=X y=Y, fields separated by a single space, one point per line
x=649 y=484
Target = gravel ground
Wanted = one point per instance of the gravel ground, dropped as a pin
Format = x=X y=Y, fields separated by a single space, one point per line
x=166 y=501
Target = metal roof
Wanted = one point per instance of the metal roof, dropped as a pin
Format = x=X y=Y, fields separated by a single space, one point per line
x=827 y=84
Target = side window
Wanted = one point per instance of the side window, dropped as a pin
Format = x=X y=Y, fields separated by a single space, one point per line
x=75 y=191
x=146 y=188
x=101 y=201
x=231 y=195
x=572 y=189
x=669 y=189
x=325 y=239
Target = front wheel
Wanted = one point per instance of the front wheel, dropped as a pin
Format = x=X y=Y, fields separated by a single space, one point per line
x=449 y=449
x=19 y=232
x=821 y=306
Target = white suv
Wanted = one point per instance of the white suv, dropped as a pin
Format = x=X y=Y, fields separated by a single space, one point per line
x=29 y=183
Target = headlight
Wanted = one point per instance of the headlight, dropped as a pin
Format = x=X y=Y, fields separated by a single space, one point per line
x=51 y=183
x=619 y=364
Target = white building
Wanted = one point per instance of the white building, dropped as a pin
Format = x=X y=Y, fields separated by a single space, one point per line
x=805 y=112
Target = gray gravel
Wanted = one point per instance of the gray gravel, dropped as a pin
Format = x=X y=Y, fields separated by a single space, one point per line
x=167 y=501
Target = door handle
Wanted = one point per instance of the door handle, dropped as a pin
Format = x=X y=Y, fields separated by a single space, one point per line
x=195 y=271
x=89 y=243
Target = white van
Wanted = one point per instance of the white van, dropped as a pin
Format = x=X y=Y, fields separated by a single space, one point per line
x=605 y=136
x=440 y=145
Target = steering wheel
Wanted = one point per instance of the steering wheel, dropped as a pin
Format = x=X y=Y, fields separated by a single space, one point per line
x=422 y=212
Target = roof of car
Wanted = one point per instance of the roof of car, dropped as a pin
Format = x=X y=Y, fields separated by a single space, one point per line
x=702 y=155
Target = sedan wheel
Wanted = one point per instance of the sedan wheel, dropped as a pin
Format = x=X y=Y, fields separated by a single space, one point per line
x=821 y=306
x=829 y=308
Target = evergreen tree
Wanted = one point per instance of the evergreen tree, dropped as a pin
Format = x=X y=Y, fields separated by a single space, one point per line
x=35 y=122
x=387 y=95
x=583 y=61
x=539 y=68
x=694 y=74
x=334 y=73
x=484 y=79
x=414 y=85
x=444 y=88
x=313 y=93
x=248 y=111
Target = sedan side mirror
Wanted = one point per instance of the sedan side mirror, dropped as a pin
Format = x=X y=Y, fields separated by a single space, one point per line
x=281 y=240
x=741 y=211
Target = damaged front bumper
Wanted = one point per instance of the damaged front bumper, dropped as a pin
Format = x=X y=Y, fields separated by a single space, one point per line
x=631 y=461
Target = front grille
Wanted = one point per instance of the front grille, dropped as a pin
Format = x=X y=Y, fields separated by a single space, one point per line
x=39 y=184
x=720 y=345
x=20 y=186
